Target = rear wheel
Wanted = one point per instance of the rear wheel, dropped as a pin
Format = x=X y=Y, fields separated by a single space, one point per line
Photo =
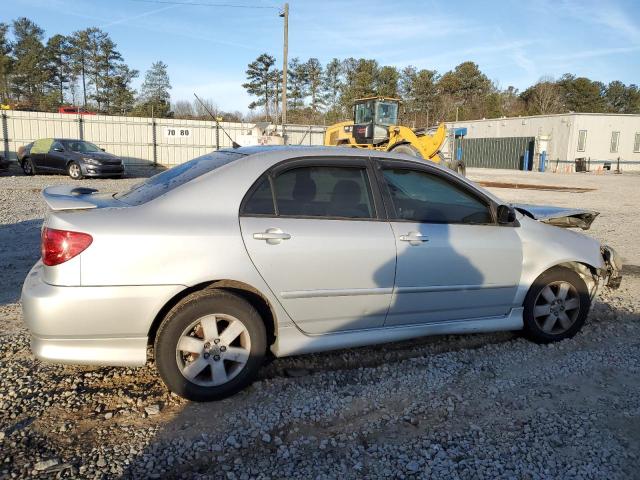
x=210 y=346
x=74 y=171
x=27 y=167
x=556 y=306
x=407 y=150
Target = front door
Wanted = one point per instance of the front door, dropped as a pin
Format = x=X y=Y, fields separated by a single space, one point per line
x=323 y=248
x=56 y=157
x=454 y=262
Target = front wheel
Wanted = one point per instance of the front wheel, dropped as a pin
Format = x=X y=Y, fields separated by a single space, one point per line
x=27 y=167
x=210 y=346
x=556 y=306
x=74 y=171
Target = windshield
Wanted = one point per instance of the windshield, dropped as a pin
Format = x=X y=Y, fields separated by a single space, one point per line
x=364 y=113
x=174 y=177
x=387 y=113
x=80 y=146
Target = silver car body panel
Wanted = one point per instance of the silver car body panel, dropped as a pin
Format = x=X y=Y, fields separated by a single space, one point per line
x=143 y=256
x=349 y=289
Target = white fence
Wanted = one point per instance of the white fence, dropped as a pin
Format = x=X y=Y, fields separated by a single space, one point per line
x=138 y=141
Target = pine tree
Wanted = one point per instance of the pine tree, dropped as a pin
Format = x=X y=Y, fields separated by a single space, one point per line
x=6 y=63
x=154 y=92
x=314 y=82
x=58 y=53
x=29 y=75
x=386 y=82
x=260 y=82
x=297 y=83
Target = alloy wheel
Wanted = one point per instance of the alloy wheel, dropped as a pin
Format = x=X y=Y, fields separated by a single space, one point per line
x=213 y=350
x=74 y=170
x=557 y=307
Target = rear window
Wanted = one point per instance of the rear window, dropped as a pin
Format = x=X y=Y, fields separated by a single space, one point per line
x=174 y=177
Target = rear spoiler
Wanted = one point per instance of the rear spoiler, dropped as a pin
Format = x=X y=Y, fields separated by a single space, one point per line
x=66 y=197
x=558 y=216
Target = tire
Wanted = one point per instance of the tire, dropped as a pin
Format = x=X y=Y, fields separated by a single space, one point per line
x=28 y=167
x=74 y=171
x=566 y=317
x=206 y=369
x=407 y=150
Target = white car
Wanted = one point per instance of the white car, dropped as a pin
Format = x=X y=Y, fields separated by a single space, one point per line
x=296 y=250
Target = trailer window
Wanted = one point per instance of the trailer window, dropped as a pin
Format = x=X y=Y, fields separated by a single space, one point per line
x=615 y=140
x=582 y=140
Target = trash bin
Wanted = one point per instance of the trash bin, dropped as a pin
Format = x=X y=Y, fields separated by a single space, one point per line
x=581 y=164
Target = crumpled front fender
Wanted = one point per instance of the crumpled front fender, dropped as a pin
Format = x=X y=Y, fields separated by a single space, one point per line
x=612 y=273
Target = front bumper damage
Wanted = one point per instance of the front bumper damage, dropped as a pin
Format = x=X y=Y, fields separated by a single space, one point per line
x=611 y=274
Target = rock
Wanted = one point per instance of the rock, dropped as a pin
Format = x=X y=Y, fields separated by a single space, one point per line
x=101 y=462
x=152 y=409
x=297 y=372
x=43 y=465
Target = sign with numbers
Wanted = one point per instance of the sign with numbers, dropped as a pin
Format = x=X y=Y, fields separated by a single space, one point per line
x=177 y=132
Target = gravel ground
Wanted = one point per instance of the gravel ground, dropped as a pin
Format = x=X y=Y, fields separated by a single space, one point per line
x=477 y=406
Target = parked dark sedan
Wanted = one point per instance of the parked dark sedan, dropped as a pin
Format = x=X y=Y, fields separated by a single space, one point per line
x=77 y=158
x=4 y=164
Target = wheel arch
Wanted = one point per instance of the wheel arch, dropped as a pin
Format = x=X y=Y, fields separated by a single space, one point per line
x=251 y=294
x=587 y=272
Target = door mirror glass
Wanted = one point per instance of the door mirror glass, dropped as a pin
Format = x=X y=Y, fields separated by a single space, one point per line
x=506 y=214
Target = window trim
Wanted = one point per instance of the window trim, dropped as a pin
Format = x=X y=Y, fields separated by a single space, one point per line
x=332 y=161
x=611 y=150
x=584 y=146
x=450 y=178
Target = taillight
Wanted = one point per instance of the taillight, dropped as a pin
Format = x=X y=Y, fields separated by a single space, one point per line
x=58 y=246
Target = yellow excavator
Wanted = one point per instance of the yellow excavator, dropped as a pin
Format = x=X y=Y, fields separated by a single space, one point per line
x=375 y=126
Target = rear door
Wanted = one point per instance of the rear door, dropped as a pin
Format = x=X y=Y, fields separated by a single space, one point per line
x=314 y=231
x=454 y=261
x=38 y=153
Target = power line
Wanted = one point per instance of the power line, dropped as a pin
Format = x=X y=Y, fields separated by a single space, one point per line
x=202 y=4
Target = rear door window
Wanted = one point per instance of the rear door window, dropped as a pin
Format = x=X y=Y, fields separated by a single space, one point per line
x=324 y=191
x=174 y=177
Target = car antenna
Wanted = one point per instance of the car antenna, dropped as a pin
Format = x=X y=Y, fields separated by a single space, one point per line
x=215 y=119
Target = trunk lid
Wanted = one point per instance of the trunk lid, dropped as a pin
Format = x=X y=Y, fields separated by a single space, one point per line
x=68 y=197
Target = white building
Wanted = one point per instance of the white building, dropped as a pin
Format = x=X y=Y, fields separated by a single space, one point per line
x=599 y=137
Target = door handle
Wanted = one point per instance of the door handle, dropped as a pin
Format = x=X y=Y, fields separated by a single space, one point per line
x=273 y=236
x=414 y=238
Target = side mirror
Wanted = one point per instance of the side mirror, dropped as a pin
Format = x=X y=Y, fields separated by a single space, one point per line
x=58 y=149
x=506 y=214
x=102 y=149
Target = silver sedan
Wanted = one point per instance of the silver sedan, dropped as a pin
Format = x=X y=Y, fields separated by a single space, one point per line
x=294 y=250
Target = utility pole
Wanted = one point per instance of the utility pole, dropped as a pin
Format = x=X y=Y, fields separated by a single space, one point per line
x=285 y=15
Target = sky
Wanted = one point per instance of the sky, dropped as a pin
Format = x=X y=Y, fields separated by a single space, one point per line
x=207 y=48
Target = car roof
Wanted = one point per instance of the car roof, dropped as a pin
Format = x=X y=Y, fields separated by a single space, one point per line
x=285 y=152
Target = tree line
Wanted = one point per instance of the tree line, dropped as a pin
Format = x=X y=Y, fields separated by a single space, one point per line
x=84 y=69
x=324 y=94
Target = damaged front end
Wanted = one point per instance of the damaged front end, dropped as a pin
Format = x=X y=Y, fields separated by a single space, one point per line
x=559 y=216
x=611 y=274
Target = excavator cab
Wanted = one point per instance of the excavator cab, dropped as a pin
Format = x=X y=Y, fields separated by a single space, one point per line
x=372 y=118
